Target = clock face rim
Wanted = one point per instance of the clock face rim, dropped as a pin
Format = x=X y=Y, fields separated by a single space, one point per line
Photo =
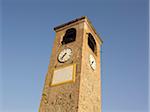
x=62 y=61
x=91 y=57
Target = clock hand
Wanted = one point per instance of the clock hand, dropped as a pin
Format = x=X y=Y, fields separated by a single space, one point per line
x=63 y=56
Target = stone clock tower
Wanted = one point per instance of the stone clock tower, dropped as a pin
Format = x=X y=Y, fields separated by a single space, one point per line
x=73 y=82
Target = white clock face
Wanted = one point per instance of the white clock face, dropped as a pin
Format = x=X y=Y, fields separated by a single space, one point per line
x=92 y=62
x=65 y=55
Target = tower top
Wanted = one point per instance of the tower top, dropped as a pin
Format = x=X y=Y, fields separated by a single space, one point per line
x=83 y=18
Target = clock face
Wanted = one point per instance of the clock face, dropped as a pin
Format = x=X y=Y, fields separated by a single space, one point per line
x=65 y=55
x=92 y=62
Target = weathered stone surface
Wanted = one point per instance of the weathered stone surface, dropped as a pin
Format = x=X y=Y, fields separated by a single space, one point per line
x=84 y=95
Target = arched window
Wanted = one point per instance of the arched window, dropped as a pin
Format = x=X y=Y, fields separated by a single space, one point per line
x=70 y=36
x=91 y=43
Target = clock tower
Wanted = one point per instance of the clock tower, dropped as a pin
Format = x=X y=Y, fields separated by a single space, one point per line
x=73 y=82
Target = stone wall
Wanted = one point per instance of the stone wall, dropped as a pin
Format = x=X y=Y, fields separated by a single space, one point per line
x=63 y=98
x=90 y=82
x=84 y=94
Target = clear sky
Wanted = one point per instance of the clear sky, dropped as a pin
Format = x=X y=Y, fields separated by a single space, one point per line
x=27 y=39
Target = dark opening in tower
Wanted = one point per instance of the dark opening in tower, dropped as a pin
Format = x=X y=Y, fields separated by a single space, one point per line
x=92 y=43
x=70 y=36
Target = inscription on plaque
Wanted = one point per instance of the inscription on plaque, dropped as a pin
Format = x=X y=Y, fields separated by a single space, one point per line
x=64 y=75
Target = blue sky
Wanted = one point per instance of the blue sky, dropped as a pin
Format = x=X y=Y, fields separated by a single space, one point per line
x=27 y=40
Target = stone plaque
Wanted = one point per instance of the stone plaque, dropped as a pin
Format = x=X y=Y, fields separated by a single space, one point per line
x=64 y=75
